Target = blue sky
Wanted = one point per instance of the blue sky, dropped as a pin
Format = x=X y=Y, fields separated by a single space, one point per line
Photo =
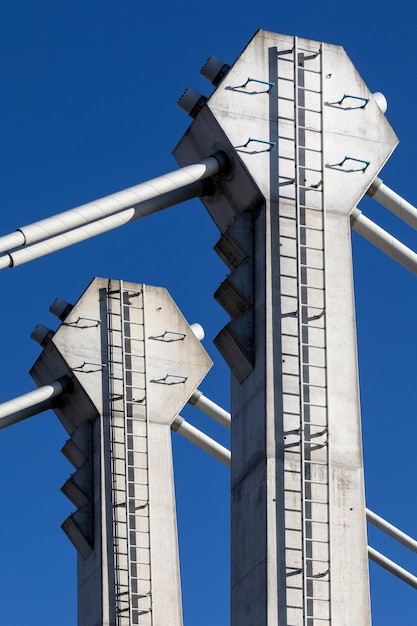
x=88 y=106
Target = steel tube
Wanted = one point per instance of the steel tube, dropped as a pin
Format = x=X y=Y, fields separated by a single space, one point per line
x=391 y=530
x=71 y=237
x=31 y=403
x=108 y=205
x=383 y=240
x=201 y=440
x=393 y=202
x=392 y=567
x=210 y=408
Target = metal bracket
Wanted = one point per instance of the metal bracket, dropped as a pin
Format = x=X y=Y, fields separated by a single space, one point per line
x=166 y=380
x=163 y=337
x=271 y=144
x=81 y=368
x=321 y=574
x=348 y=158
x=75 y=323
x=347 y=95
x=316 y=317
x=262 y=82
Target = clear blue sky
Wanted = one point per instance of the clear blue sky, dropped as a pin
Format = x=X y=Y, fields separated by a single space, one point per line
x=88 y=106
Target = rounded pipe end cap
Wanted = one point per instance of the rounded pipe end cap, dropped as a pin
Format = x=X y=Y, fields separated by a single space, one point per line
x=381 y=101
x=198 y=331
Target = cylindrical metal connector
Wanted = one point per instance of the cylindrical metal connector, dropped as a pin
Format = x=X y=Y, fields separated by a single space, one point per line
x=32 y=403
x=210 y=408
x=214 y=70
x=41 y=334
x=192 y=102
x=60 y=308
x=201 y=440
x=393 y=202
x=383 y=240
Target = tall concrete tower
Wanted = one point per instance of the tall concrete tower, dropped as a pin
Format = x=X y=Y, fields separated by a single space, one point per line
x=292 y=139
x=133 y=362
x=306 y=139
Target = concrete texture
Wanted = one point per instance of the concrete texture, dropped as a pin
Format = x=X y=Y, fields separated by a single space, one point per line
x=134 y=363
x=306 y=139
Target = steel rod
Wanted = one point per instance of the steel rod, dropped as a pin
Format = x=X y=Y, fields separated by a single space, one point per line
x=210 y=408
x=201 y=440
x=393 y=202
x=108 y=205
x=383 y=240
x=392 y=567
x=391 y=530
x=31 y=403
x=71 y=237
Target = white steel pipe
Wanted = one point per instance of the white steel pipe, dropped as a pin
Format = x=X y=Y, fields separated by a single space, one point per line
x=383 y=240
x=393 y=202
x=31 y=403
x=201 y=440
x=89 y=230
x=103 y=207
x=392 y=567
x=391 y=530
x=210 y=408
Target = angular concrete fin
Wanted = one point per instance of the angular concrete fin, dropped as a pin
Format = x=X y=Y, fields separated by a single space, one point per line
x=235 y=343
x=77 y=528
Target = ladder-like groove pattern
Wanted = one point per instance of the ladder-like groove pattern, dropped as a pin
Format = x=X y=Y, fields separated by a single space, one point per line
x=304 y=379
x=129 y=457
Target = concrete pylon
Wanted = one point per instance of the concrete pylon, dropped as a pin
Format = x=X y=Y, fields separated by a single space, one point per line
x=134 y=362
x=305 y=138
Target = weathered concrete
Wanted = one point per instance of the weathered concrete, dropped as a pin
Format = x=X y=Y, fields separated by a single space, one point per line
x=134 y=362
x=306 y=139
